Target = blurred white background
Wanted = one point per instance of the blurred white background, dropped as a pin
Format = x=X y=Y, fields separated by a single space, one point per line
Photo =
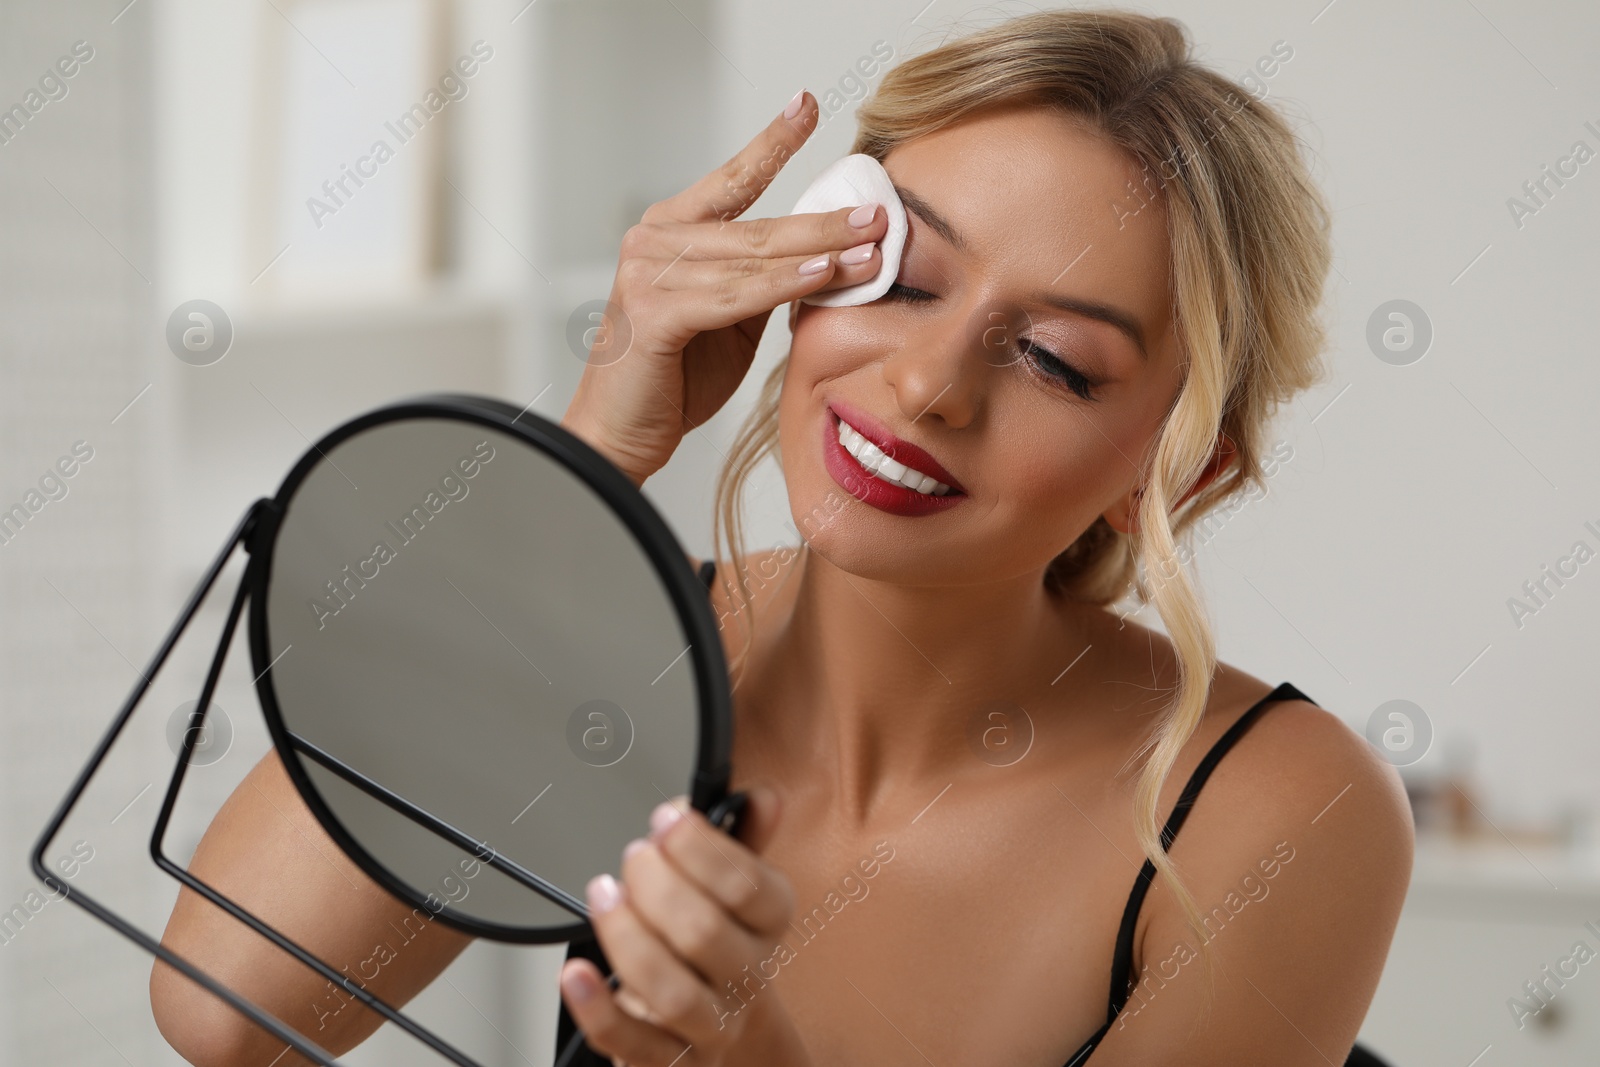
x=176 y=164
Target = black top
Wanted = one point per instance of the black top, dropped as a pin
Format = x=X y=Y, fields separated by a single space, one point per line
x=1122 y=982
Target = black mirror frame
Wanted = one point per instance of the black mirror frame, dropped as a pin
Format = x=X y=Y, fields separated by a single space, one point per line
x=708 y=787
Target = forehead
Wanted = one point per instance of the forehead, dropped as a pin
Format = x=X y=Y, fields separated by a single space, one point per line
x=1034 y=190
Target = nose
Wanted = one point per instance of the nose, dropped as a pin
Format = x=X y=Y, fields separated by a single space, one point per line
x=938 y=372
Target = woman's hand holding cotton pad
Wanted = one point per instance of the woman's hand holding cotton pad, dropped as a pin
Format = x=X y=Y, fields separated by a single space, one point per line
x=696 y=285
x=847 y=182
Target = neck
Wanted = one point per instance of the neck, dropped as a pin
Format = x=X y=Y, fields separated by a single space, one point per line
x=890 y=680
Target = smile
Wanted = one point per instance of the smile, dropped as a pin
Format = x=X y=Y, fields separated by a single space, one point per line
x=875 y=462
x=879 y=469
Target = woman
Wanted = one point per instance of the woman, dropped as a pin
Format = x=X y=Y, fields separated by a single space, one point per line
x=957 y=755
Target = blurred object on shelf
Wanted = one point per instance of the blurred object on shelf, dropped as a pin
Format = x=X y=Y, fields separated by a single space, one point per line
x=1446 y=802
x=1440 y=788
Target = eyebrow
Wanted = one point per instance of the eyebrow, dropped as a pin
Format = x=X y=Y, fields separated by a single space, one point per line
x=1116 y=317
x=936 y=221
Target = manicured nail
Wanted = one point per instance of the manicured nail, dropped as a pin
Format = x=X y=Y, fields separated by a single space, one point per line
x=631 y=847
x=863 y=215
x=665 y=814
x=581 y=985
x=794 y=105
x=858 y=254
x=813 y=266
x=603 y=893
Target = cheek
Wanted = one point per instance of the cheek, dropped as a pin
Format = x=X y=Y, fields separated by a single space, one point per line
x=1057 y=466
x=1052 y=479
x=799 y=438
x=826 y=344
x=830 y=342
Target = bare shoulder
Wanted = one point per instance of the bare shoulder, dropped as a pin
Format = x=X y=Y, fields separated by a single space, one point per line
x=1300 y=766
x=1309 y=767
x=1298 y=762
x=1297 y=855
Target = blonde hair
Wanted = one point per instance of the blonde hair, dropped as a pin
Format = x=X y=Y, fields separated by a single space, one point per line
x=1249 y=238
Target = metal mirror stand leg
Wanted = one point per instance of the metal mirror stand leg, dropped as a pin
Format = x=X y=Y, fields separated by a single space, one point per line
x=244 y=1006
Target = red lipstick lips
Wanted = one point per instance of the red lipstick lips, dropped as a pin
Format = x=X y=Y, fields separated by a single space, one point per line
x=886 y=496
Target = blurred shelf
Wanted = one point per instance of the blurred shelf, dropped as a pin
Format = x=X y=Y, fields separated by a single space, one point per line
x=1497 y=877
x=362 y=312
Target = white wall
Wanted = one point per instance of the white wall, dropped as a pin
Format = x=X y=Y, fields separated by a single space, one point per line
x=76 y=265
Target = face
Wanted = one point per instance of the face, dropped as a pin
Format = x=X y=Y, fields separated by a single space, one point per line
x=1038 y=412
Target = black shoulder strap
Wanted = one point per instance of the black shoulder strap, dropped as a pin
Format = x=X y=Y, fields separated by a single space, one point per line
x=708 y=571
x=1122 y=962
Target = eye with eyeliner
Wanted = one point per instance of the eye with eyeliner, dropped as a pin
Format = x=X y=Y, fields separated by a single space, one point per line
x=1045 y=362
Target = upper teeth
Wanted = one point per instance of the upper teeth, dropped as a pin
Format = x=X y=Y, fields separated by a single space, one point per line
x=876 y=463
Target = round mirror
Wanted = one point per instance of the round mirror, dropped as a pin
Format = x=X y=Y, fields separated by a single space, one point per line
x=483 y=659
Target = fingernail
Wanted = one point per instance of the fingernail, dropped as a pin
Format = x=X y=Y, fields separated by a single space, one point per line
x=863 y=215
x=603 y=893
x=794 y=105
x=812 y=266
x=581 y=985
x=665 y=814
x=631 y=847
x=858 y=254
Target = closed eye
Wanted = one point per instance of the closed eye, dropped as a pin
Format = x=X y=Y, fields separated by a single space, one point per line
x=906 y=293
x=1046 y=363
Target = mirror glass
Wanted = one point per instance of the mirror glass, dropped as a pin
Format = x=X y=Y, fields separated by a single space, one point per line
x=455 y=617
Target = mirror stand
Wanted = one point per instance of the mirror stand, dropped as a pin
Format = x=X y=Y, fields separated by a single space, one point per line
x=257 y=512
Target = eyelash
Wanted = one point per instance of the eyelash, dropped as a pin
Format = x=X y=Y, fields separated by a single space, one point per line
x=1069 y=376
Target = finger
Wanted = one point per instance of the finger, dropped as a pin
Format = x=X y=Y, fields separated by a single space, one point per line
x=769 y=238
x=758 y=894
x=681 y=1001
x=761 y=815
x=699 y=929
x=727 y=192
x=692 y=274
x=607 y=1028
x=634 y=1006
x=748 y=299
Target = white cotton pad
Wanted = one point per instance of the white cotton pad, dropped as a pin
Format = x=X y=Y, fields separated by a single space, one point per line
x=851 y=182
